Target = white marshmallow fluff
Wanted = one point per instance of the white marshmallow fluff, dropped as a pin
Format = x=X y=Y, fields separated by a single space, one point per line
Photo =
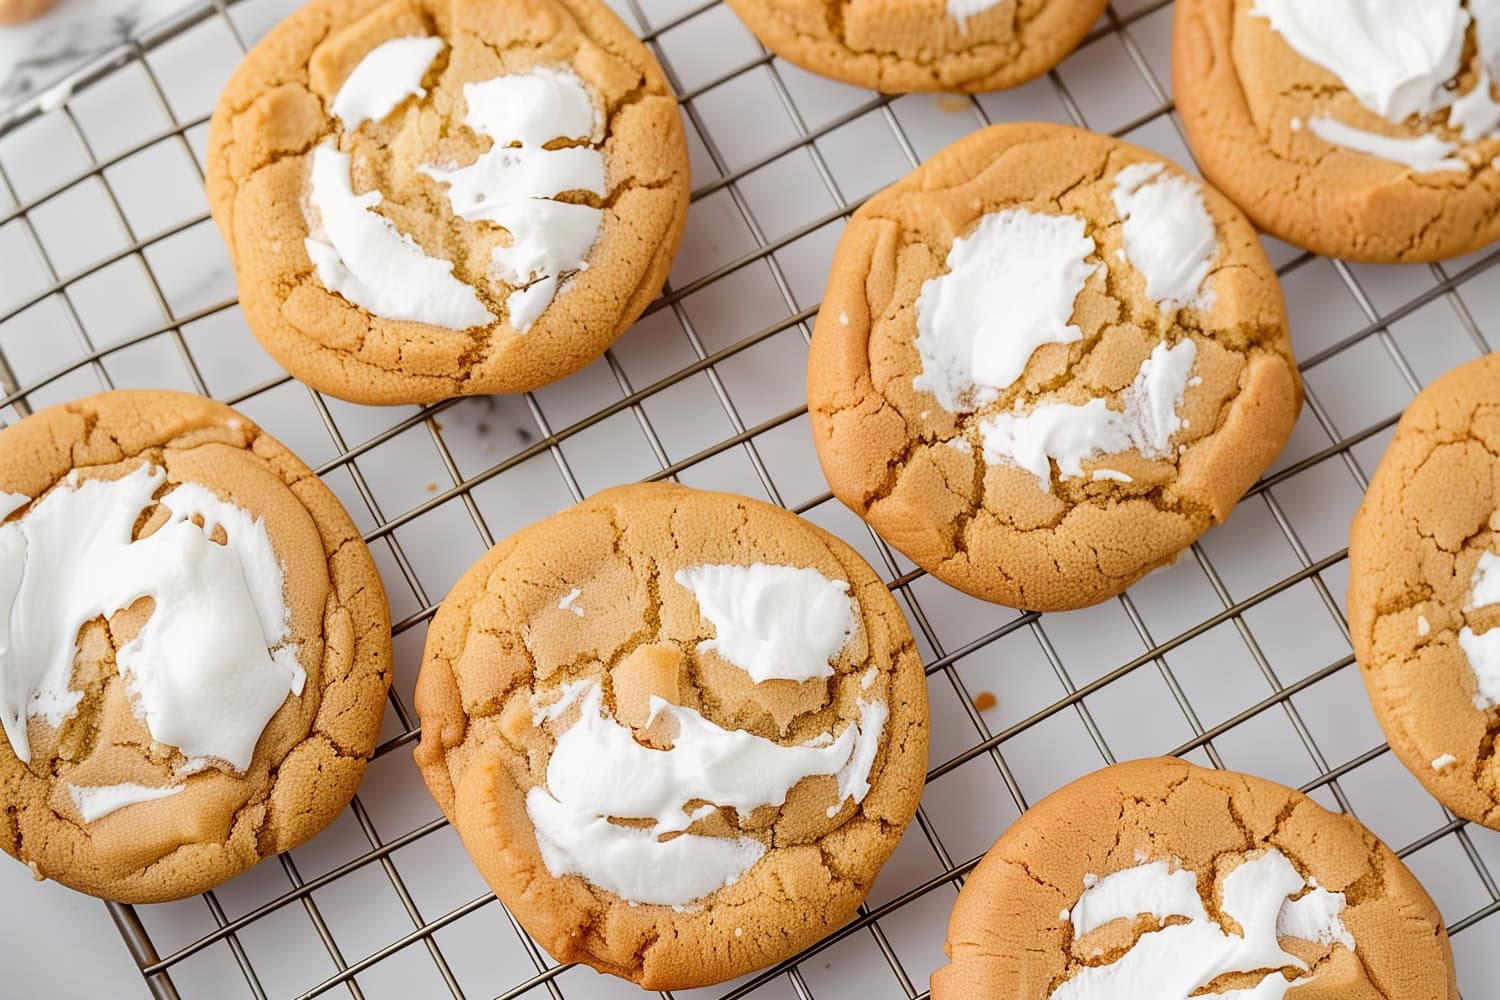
x=1486 y=15
x=598 y=771
x=1008 y=289
x=1477 y=113
x=1484 y=585
x=513 y=184
x=1482 y=650
x=94 y=802
x=360 y=255
x=213 y=662
x=1422 y=153
x=1265 y=896
x=1393 y=55
x=1169 y=235
x=388 y=75
x=1070 y=434
x=962 y=10
x=1397 y=57
x=773 y=622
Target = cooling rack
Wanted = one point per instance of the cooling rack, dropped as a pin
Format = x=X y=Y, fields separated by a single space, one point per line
x=111 y=275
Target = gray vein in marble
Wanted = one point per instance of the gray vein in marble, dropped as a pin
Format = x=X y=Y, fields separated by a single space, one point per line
x=36 y=55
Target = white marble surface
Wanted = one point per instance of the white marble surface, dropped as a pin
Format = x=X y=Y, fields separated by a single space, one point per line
x=51 y=914
x=35 y=55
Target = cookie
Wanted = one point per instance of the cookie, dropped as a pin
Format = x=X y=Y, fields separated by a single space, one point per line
x=435 y=198
x=1424 y=589
x=18 y=11
x=899 y=46
x=1368 y=131
x=1046 y=362
x=679 y=732
x=194 y=646
x=1160 y=880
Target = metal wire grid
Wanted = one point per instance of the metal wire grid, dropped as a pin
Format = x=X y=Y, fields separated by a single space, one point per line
x=955 y=666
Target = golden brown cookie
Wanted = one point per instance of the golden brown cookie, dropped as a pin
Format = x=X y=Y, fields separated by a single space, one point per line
x=679 y=732
x=1046 y=362
x=17 y=11
x=1424 y=589
x=904 y=45
x=194 y=646
x=434 y=198
x=1369 y=133
x=1157 y=880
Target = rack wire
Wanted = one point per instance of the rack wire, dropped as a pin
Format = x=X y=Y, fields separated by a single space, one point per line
x=1238 y=656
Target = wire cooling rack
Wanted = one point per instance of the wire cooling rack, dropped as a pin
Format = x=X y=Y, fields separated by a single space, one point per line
x=1238 y=656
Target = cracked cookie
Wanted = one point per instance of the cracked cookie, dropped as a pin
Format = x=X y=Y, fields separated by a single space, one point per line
x=435 y=198
x=899 y=46
x=194 y=646
x=1424 y=589
x=1160 y=880
x=1362 y=129
x=1046 y=362
x=679 y=732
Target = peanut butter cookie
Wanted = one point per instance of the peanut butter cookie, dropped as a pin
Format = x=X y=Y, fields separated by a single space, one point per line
x=18 y=11
x=679 y=732
x=1424 y=589
x=1357 y=129
x=1046 y=362
x=906 y=45
x=433 y=198
x=194 y=646
x=1159 y=880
